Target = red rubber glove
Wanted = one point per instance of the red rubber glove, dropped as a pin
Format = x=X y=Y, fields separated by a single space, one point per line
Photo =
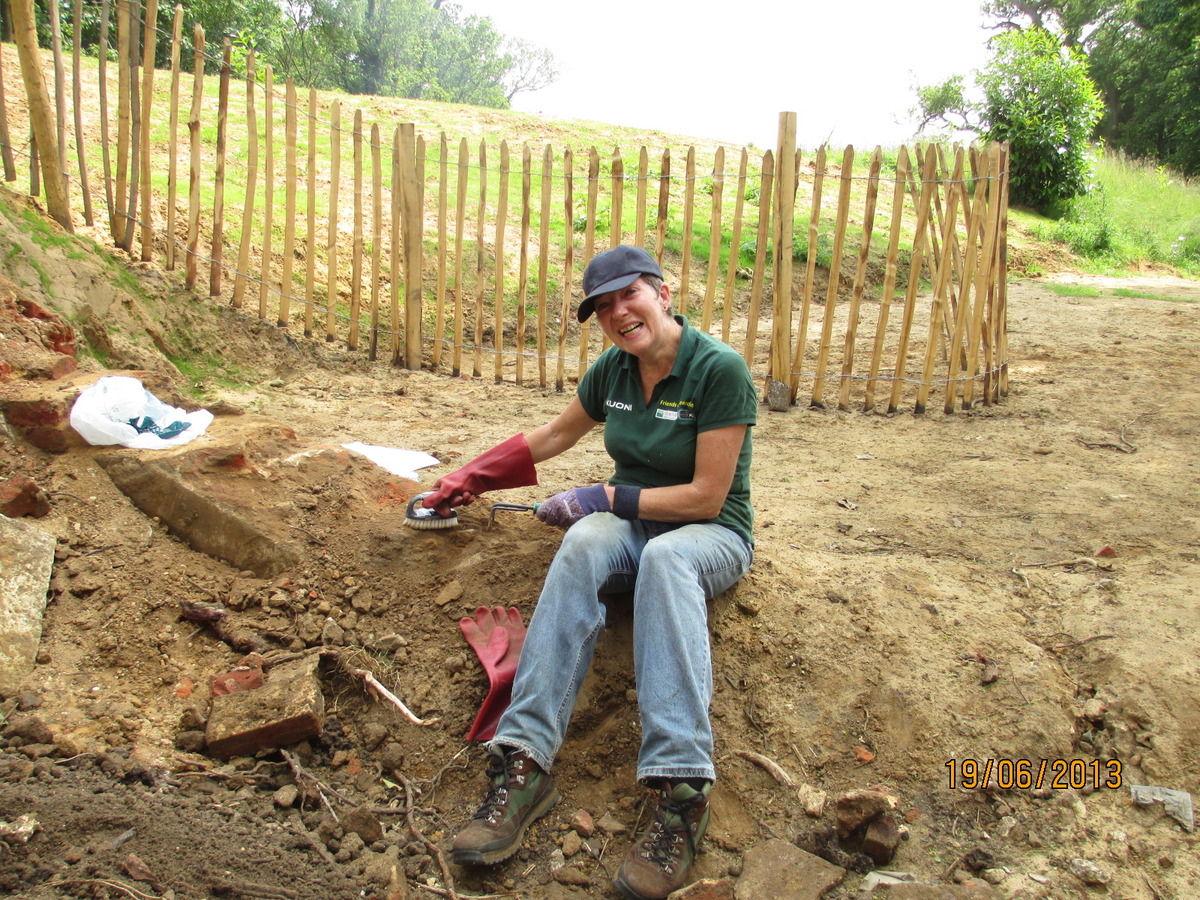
x=507 y=465
x=497 y=638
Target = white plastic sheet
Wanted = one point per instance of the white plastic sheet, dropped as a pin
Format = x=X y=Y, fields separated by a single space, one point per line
x=118 y=409
x=404 y=463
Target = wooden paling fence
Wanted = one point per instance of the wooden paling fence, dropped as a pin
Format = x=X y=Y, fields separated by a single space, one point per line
x=842 y=284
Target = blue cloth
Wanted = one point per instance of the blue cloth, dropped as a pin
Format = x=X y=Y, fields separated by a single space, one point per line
x=672 y=570
x=147 y=425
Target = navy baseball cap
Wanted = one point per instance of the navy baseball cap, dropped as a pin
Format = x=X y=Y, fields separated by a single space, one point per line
x=612 y=270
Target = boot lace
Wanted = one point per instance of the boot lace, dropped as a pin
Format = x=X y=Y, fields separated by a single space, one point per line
x=662 y=840
x=494 y=801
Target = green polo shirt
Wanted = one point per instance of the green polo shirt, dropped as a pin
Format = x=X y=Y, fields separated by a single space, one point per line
x=654 y=444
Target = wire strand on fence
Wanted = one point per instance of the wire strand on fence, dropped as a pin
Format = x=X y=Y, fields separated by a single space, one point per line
x=605 y=169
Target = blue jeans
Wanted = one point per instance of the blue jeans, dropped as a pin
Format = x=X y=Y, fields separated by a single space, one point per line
x=672 y=570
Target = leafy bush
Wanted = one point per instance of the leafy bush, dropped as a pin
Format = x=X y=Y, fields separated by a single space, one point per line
x=1038 y=97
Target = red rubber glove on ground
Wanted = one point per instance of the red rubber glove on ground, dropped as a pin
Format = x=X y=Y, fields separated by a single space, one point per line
x=497 y=637
x=507 y=465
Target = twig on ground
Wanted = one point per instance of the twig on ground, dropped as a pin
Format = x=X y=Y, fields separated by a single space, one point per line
x=433 y=848
x=442 y=892
x=53 y=494
x=437 y=778
x=1074 y=643
x=1123 y=447
x=376 y=688
x=776 y=771
x=304 y=777
x=216 y=617
x=946 y=875
x=799 y=758
x=115 y=885
x=1067 y=563
x=249 y=889
x=321 y=849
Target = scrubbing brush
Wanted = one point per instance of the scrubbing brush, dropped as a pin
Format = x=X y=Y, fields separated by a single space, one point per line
x=418 y=516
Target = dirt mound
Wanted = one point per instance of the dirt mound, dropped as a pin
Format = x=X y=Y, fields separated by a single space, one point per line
x=1011 y=583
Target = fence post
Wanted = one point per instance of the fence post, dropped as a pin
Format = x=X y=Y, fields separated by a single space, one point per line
x=134 y=112
x=568 y=264
x=356 y=248
x=243 y=267
x=860 y=277
x=889 y=278
x=76 y=90
x=501 y=221
x=268 y=187
x=41 y=118
x=218 y=226
x=331 y=254
x=689 y=213
x=714 y=239
x=193 y=245
x=778 y=389
x=413 y=234
x=735 y=247
x=376 y=236
x=289 y=203
x=104 y=141
x=760 y=255
x=149 y=39
x=10 y=169
x=310 y=242
x=173 y=138
x=60 y=93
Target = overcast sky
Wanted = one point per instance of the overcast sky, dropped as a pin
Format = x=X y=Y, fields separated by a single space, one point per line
x=725 y=71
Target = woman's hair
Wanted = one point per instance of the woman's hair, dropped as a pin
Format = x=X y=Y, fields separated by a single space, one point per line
x=654 y=281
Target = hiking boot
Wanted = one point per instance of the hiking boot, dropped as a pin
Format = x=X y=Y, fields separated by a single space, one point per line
x=519 y=794
x=658 y=863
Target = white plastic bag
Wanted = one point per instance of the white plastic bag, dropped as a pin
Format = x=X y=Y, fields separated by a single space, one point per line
x=117 y=409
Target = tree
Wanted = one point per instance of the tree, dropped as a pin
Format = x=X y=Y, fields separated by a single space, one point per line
x=1147 y=65
x=1038 y=97
x=247 y=24
x=408 y=48
x=532 y=68
x=946 y=103
x=1071 y=21
x=314 y=37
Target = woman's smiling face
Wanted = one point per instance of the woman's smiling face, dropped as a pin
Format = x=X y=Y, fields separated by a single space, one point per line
x=636 y=318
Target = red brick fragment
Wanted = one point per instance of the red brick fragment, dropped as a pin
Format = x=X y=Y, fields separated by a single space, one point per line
x=21 y=496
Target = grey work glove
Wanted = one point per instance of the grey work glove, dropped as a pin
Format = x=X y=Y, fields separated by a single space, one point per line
x=565 y=509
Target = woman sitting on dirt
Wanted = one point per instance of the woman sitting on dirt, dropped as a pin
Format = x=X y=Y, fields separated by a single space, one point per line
x=673 y=525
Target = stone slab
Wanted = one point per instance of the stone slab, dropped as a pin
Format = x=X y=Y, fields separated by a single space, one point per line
x=935 y=892
x=783 y=871
x=26 y=560
x=209 y=525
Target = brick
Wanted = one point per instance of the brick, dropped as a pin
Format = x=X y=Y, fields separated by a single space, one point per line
x=21 y=496
x=289 y=707
x=854 y=809
x=882 y=839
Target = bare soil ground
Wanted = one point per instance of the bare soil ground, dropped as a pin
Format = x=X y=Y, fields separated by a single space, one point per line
x=927 y=590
